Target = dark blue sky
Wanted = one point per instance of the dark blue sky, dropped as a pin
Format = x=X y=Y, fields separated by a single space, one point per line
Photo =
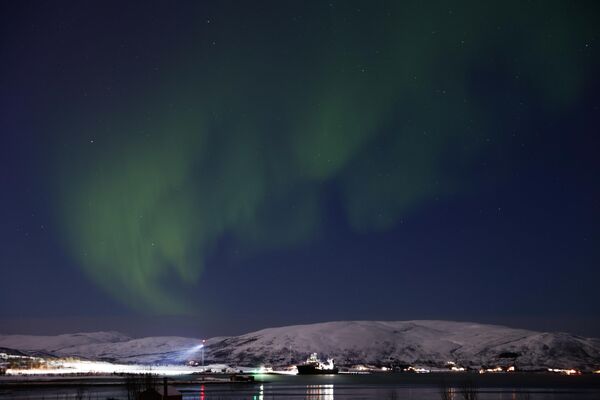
x=452 y=175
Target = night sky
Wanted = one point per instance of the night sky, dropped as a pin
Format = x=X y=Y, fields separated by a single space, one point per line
x=210 y=168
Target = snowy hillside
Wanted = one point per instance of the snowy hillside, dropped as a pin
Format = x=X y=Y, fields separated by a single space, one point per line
x=150 y=350
x=107 y=346
x=427 y=343
x=55 y=344
x=431 y=343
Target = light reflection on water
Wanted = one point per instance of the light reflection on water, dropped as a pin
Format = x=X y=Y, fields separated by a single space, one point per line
x=401 y=387
x=373 y=392
x=319 y=392
x=312 y=392
x=358 y=392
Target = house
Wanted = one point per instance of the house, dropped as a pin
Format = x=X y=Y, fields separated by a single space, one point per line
x=164 y=392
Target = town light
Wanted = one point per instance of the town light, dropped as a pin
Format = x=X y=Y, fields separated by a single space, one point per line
x=564 y=371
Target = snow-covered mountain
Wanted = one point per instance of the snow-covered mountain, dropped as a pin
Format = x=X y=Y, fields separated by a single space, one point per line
x=60 y=343
x=149 y=350
x=431 y=343
x=107 y=346
x=427 y=343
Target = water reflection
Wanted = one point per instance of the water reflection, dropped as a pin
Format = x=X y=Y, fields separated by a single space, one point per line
x=520 y=395
x=261 y=393
x=319 y=392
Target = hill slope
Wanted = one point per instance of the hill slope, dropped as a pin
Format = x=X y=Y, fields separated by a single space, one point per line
x=428 y=343
x=59 y=343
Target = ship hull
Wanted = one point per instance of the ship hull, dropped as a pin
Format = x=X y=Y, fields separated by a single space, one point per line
x=312 y=370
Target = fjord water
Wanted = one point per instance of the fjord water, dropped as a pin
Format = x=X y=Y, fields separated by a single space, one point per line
x=406 y=386
x=354 y=387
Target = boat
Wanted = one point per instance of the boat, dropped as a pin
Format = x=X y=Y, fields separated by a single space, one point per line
x=314 y=366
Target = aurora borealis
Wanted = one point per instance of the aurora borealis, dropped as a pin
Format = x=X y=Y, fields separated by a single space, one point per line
x=172 y=149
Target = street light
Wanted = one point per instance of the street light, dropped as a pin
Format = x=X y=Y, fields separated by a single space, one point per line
x=203 y=341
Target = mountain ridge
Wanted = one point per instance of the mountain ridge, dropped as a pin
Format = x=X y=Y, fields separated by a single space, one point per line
x=416 y=342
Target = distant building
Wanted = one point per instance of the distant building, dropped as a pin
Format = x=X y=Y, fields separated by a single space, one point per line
x=164 y=392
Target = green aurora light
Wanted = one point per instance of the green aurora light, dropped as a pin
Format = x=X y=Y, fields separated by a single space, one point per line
x=241 y=139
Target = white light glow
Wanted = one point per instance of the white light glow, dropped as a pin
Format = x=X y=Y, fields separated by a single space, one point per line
x=98 y=367
x=419 y=370
x=564 y=371
x=189 y=353
x=491 y=370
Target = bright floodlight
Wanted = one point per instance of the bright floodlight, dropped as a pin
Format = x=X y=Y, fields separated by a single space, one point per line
x=192 y=350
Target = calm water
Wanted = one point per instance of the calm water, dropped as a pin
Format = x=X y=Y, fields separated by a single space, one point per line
x=368 y=387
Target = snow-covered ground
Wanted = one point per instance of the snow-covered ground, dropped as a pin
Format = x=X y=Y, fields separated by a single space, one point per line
x=426 y=343
x=432 y=343
x=109 y=346
x=56 y=343
x=102 y=367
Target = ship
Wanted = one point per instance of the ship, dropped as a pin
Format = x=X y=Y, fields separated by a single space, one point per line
x=314 y=366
